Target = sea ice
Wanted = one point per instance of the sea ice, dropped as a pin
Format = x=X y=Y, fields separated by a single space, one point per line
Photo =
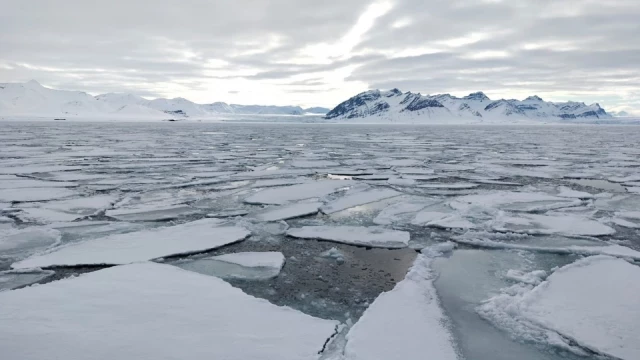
x=592 y=303
x=511 y=201
x=405 y=323
x=34 y=194
x=358 y=198
x=570 y=193
x=153 y=311
x=571 y=225
x=354 y=235
x=285 y=194
x=289 y=211
x=401 y=213
x=151 y=213
x=140 y=246
x=20 y=241
x=450 y=186
x=587 y=250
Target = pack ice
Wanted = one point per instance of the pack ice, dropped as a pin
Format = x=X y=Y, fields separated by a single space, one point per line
x=153 y=311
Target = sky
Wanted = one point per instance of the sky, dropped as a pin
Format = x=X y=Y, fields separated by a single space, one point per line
x=319 y=53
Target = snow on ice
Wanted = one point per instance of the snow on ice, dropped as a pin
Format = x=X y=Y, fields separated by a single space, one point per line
x=354 y=235
x=153 y=311
x=591 y=304
x=140 y=246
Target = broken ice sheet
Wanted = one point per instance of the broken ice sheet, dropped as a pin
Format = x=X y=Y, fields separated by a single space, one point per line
x=116 y=313
x=244 y=265
x=354 y=235
x=142 y=245
x=590 y=304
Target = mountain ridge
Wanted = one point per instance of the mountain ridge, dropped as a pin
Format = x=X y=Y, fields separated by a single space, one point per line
x=33 y=99
x=396 y=105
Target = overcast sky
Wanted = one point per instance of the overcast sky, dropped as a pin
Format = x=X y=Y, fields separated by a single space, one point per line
x=320 y=52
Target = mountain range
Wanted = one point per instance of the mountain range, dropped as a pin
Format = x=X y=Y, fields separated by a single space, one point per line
x=395 y=105
x=33 y=99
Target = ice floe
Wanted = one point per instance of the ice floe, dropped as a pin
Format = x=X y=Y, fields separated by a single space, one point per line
x=142 y=245
x=571 y=225
x=135 y=311
x=358 y=198
x=405 y=323
x=591 y=304
x=511 y=201
x=285 y=194
x=610 y=250
x=289 y=211
x=354 y=235
x=34 y=194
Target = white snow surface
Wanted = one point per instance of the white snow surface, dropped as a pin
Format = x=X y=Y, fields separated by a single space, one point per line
x=268 y=259
x=289 y=211
x=405 y=323
x=592 y=302
x=140 y=246
x=152 y=311
x=354 y=235
x=358 y=198
x=282 y=195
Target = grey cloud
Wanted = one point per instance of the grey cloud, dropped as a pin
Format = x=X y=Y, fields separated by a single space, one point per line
x=582 y=47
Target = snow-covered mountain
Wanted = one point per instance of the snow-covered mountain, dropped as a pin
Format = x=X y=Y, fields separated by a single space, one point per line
x=394 y=105
x=33 y=99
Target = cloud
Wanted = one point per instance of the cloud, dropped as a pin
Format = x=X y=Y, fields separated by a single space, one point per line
x=317 y=53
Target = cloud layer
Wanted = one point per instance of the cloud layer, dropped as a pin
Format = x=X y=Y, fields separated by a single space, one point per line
x=317 y=53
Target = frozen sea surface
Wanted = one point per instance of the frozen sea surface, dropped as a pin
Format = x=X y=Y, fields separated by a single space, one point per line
x=336 y=214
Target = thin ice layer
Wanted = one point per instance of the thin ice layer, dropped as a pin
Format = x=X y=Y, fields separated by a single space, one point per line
x=354 y=235
x=298 y=192
x=152 y=311
x=140 y=246
x=405 y=323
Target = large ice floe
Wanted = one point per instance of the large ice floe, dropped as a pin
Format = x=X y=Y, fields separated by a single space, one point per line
x=589 y=307
x=405 y=323
x=143 y=245
x=153 y=311
x=354 y=235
